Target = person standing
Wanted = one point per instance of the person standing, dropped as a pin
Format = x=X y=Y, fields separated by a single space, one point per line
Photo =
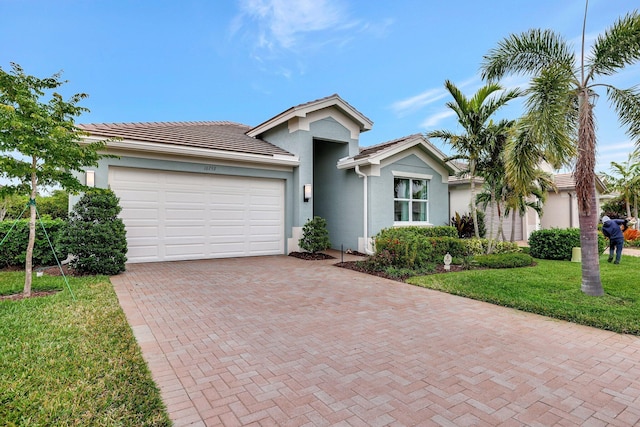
x=611 y=230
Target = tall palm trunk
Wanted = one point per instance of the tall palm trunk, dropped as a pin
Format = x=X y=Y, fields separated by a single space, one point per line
x=474 y=210
x=492 y=211
x=586 y=193
x=513 y=226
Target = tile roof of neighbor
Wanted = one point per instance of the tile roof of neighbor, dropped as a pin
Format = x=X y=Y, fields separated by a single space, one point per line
x=564 y=181
x=220 y=135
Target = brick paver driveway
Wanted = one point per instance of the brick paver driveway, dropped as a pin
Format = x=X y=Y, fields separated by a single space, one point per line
x=281 y=341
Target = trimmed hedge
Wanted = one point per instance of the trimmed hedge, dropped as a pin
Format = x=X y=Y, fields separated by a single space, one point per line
x=13 y=251
x=558 y=243
x=505 y=260
x=480 y=246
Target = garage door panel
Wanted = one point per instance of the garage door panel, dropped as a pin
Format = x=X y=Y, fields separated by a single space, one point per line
x=172 y=215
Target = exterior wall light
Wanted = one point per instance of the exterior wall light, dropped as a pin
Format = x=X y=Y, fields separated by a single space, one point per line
x=90 y=178
x=307 y=191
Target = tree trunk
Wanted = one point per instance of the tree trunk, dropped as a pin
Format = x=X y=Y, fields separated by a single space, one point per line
x=585 y=178
x=628 y=203
x=500 y=224
x=474 y=211
x=28 y=265
x=591 y=283
x=492 y=208
x=513 y=226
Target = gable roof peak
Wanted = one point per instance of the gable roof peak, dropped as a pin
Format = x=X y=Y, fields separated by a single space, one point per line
x=302 y=110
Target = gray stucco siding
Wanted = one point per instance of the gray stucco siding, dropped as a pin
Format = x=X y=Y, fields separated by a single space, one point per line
x=338 y=196
x=301 y=143
x=381 y=193
x=102 y=176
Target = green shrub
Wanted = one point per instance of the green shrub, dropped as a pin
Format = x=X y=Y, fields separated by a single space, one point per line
x=416 y=247
x=480 y=246
x=55 y=206
x=95 y=235
x=13 y=251
x=315 y=236
x=463 y=224
x=504 y=260
x=558 y=243
x=403 y=273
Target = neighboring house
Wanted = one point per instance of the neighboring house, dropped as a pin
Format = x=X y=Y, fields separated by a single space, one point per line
x=460 y=202
x=561 y=207
x=197 y=190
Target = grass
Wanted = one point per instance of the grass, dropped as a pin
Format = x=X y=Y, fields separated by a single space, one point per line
x=552 y=288
x=65 y=362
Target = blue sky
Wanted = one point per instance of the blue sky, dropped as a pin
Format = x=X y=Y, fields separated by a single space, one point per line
x=248 y=60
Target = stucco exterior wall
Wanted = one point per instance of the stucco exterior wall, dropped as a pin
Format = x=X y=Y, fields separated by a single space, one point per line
x=319 y=148
x=381 y=192
x=560 y=211
x=337 y=196
x=193 y=166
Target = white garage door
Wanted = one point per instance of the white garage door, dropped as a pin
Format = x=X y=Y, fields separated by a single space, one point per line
x=178 y=216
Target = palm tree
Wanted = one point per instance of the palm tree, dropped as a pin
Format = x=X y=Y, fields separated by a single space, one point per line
x=560 y=107
x=521 y=196
x=473 y=115
x=492 y=168
x=625 y=179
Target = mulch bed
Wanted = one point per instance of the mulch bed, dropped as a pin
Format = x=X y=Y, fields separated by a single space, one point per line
x=356 y=266
x=34 y=294
x=311 y=256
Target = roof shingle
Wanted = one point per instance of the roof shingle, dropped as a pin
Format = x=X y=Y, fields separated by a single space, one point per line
x=215 y=135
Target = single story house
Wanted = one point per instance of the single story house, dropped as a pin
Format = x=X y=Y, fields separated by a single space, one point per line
x=560 y=209
x=198 y=190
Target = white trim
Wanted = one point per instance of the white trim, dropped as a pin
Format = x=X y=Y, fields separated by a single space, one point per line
x=304 y=123
x=402 y=174
x=304 y=109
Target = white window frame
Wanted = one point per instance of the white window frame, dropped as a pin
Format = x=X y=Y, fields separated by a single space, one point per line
x=411 y=177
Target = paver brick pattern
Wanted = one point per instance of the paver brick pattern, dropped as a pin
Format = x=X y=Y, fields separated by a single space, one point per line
x=278 y=341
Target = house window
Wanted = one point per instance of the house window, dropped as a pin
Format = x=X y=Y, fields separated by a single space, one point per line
x=411 y=200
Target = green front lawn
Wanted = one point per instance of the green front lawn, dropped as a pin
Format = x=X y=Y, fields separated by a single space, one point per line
x=65 y=362
x=552 y=288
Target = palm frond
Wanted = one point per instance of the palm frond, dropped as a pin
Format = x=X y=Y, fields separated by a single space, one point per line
x=616 y=47
x=627 y=104
x=527 y=53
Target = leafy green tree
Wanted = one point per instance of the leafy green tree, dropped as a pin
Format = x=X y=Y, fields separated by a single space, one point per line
x=94 y=235
x=473 y=115
x=39 y=143
x=560 y=107
x=625 y=179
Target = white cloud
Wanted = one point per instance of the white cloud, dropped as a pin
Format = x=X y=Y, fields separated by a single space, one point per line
x=435 y=119
x=416 y=102
x=281 y=23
